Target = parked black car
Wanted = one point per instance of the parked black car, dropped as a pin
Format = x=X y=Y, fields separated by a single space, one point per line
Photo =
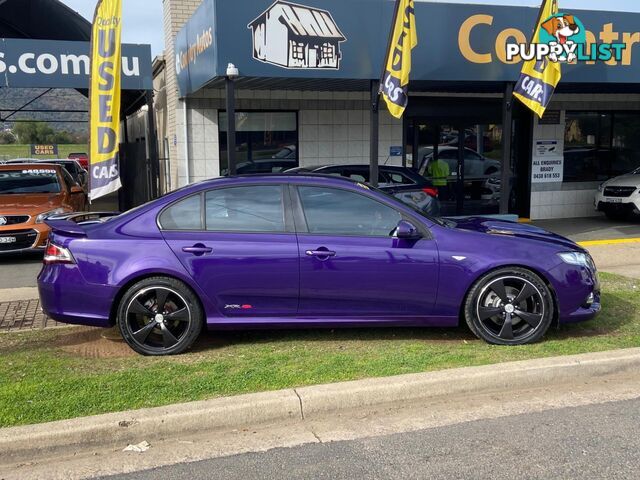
x=401 y=182
x=269 y=165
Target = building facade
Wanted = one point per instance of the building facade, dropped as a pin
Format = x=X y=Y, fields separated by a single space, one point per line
x=303 y=98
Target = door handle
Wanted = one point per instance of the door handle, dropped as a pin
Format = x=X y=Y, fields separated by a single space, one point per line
x=197 y=249
x=320 y=254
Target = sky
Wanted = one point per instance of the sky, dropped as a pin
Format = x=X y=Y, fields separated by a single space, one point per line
x=143 y=18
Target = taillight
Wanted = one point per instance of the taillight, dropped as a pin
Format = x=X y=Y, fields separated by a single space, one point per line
x=55 y=254
x=431 y=191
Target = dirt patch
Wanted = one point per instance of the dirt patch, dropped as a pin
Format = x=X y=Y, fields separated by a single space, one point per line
x=95 y=343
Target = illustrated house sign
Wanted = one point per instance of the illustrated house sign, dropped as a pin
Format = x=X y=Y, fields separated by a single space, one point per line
x=295 y=36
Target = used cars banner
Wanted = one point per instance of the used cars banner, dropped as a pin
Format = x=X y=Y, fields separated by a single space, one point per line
x=106 y=64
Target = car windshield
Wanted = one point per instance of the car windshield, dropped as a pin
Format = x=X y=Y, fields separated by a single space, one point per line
x=18 y=181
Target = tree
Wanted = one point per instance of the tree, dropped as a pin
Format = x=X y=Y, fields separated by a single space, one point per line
x=34 y=132
x=7 y=138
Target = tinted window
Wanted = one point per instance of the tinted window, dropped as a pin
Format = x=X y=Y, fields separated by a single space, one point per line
x=43 y=180
x=245 y=209
x=340 y=212
x=68 y=179
x=397 y=178
x=183 y=215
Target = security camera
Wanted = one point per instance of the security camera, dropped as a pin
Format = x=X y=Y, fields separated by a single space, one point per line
x=232 y=71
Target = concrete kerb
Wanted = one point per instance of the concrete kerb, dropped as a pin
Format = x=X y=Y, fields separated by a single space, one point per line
x=73 y=436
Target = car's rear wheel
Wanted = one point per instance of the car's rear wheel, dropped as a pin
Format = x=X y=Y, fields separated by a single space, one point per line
x=510 y=306
x=159 y=316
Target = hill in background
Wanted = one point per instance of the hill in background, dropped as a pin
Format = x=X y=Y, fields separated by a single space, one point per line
x=63 y=106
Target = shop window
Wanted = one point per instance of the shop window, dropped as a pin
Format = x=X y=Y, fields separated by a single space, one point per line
x=328 y=51
x=266 y=142
x=600 y=145
x=297 y=50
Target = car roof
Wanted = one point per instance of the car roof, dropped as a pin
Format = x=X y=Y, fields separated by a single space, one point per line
x=29 y=166
x=315 y=168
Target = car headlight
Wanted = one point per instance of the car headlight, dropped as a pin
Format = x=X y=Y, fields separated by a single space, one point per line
x=578 y=258
x=43 y=216
x=601 y=187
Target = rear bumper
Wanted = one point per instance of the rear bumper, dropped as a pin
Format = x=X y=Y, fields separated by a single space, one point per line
x=66 y=297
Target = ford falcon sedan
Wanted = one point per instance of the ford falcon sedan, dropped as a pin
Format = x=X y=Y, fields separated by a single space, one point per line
x=308 y=250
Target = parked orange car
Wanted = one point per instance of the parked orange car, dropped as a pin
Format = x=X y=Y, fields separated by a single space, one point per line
x=28 y=195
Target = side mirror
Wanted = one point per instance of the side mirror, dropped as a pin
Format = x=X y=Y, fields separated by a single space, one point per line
x=76 y=189
x=407 y=231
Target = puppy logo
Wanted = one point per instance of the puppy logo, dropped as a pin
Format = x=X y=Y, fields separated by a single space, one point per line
x=563 y=30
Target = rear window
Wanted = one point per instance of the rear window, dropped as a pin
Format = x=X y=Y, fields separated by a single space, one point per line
x=18 y=181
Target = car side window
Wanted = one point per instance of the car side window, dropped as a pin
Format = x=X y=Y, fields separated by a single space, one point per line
x=68 y=179
x=397 y=178
x=332 y=211
x=185 y=214
x=255 y=208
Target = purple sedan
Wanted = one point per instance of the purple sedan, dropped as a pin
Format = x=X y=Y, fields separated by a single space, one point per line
x=308 y=250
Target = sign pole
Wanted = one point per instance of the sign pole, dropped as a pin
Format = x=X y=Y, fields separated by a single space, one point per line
x=231 y=126
x=374 y=133
x=507 y=130
x=374 y=128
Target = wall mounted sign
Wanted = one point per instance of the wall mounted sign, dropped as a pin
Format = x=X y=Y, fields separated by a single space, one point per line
x=26 y=63
x=337 y=39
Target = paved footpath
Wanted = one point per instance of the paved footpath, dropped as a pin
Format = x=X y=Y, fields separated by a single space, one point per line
x=24 y=315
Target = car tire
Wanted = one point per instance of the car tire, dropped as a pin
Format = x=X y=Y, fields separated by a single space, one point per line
x=159 y=316
x=509 y=306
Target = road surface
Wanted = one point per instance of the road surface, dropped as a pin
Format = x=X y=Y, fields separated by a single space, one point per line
x=588 y=442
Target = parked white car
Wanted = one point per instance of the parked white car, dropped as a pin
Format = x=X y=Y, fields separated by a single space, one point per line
x=619 y=197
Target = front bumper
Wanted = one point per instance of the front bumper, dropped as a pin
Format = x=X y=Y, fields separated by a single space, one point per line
x=23 y=238
x=604 y=203
x=577 y=290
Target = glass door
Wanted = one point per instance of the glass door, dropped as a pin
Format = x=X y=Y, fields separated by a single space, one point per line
x=464 y=162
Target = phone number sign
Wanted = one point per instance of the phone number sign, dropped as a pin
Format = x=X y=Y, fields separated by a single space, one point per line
x=547 y=170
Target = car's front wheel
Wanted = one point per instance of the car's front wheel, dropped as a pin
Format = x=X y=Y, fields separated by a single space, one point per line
x=159 y=316
x=510 y=306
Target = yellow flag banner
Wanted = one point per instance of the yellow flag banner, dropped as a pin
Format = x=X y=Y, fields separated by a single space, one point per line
x=104 y=98
x=395 y=80
x=539 y=78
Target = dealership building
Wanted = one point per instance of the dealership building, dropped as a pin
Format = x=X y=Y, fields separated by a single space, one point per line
x=303 y=97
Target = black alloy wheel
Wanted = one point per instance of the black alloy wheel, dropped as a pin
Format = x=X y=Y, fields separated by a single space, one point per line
x=509 y=307
x=159 y=316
